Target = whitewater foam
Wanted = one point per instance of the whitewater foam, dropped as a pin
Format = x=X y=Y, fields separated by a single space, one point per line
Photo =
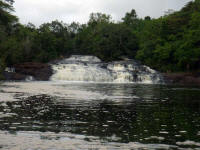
x=91 y=69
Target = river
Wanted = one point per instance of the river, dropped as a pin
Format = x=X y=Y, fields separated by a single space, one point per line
x=57 y=115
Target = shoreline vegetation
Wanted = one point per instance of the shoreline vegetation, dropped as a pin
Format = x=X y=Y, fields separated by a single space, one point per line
x=169 y=44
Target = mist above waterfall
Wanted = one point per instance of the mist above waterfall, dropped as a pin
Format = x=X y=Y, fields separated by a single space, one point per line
x=91 y=69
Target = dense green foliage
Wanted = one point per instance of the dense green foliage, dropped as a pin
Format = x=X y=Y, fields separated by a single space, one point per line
x=169 y=43
x=172 y=42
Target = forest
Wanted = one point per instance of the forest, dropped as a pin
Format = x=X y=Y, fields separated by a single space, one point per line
x=170 y=43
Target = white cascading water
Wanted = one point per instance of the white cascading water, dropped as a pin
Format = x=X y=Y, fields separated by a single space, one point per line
x=91 y=69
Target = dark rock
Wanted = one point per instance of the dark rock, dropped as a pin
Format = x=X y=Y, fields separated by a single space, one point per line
x=182 y=78
x=13 y=76
x=39 y=71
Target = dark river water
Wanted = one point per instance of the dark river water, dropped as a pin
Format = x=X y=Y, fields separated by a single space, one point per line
x=91 y=116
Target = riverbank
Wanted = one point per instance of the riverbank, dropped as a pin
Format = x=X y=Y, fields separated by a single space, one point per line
x=184 y=78
x=38 y=71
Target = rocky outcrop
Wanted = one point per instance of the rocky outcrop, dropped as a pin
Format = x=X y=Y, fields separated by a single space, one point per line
x=13 y=76
x=39 y=71
x=183 y=78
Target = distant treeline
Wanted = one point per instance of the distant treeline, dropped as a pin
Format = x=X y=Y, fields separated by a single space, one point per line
x=169 y=43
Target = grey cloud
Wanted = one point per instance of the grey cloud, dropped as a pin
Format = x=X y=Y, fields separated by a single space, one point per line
x=40 y=11
x=153 y=8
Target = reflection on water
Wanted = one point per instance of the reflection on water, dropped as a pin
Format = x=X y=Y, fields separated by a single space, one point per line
x=50 y=115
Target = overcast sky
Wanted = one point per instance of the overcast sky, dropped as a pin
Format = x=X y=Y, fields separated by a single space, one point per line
x=42 y=11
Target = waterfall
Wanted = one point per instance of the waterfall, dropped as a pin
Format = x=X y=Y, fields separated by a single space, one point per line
x=91 y=69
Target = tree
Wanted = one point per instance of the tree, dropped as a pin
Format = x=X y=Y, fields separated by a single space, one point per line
x=6 y=18
x=74 y=28
x=130 y=17
x=147 y=18
x=10 y=1
x=96 y=18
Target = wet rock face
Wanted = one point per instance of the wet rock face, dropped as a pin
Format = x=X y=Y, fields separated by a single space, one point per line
x=39 y=71
x=182 y=78
x=13 y=76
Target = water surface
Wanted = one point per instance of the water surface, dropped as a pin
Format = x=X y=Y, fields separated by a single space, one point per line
x=94 y=116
